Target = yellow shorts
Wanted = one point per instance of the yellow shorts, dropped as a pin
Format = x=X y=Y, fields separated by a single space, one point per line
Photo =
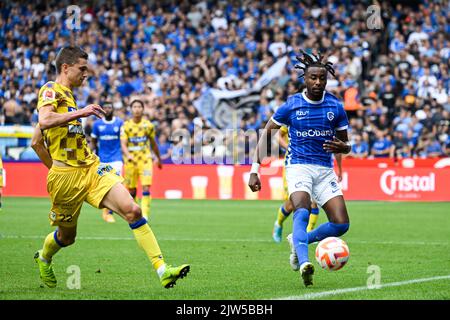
x=69 y=187
x=1 y=177
x=143 y=171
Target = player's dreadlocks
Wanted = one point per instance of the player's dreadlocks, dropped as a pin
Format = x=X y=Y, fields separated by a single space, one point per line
x=314 y=61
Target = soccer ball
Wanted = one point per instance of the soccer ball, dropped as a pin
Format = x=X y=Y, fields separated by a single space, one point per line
x=332 y=253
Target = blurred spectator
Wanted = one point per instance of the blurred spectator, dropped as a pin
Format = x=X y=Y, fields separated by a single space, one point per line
x=360 y=148
x=171 y=53
x=381 y=146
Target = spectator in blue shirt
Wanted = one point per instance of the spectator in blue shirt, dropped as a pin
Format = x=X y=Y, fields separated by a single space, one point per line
x=381 y=146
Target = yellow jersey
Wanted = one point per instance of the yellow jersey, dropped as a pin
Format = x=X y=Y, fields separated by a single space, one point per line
x=138 y=137
x=66 y=143
x=284 y=132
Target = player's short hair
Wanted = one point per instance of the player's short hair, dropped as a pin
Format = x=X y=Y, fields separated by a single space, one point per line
x=138 y=101
x=69 y=55
x=108 y=103
x=312 y=60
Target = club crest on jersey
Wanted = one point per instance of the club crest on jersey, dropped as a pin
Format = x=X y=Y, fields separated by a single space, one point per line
x=330 y=115
x=48 y=95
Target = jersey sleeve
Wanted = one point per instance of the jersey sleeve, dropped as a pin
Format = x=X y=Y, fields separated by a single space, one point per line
x=281 y=116
x=123 y=132
x=151 y=131
x=47 y=96
x=342 y=120
x=94 y=133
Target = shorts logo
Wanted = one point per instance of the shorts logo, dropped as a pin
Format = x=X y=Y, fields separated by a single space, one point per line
x=299 y=184
x=334 y=186
x=330 y=115
x=52 y=216
x=48 y=95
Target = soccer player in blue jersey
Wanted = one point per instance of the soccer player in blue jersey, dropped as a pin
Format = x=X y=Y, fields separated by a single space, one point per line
x=317 y=126
x=105 y=140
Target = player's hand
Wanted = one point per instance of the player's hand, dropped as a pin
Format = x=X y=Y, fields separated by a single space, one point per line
x=339 y=176
x=158 y=163
x=335 y=146
x=254 y=183
x=93 y=109
x=129 y=157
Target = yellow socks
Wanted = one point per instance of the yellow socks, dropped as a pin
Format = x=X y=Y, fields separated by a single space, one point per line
x=51 y=246
x=145 y=204
x=147 y=241
x=313 y=217
x=282 y=215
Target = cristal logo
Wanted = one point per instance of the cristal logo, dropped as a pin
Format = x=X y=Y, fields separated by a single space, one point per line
x=390 y=183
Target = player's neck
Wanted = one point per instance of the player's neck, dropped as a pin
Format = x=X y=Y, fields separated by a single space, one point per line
x=63 y=81
x=109 y=118
x=313 y=97
x=137 y=119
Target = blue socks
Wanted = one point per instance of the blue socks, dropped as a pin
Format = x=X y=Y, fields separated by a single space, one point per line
x=327 y=229
x=315 y=211
x=299 y=235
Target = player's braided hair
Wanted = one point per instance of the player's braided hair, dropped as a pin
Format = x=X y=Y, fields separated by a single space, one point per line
x=313 y=61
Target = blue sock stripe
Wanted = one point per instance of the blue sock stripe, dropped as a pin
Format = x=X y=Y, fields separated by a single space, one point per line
x=145 y=193
x=283 y=211
x=138 y=223
x=55 y=236
x=314 y=210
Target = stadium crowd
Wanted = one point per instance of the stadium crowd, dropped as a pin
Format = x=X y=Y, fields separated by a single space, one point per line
x=391 y=69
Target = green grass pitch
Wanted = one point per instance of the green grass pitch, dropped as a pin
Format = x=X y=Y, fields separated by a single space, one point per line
x=231 y=252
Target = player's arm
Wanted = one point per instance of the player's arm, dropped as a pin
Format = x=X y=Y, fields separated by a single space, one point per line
x=94 y=144
x=126 y=154
x=38 y=145
x=339 y=144
x=261 y=151
x=48 y=118
x=338 y=157
x=155 y=150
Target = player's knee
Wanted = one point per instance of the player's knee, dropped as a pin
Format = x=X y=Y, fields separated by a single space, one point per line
x=67 y=241
x=340 y=228
x=133 y=214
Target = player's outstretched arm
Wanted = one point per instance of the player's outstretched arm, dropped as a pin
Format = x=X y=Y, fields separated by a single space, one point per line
x=48 y=118
x=261 y=151
x=38 y=145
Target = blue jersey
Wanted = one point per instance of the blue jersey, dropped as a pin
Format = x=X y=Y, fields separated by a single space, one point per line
x=107 y=134
x=309 y=124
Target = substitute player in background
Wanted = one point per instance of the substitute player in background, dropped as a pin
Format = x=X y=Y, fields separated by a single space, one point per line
x=76 y=175
x=137 y=138
x=317 y=126
x=286 y=208
x=106 y=141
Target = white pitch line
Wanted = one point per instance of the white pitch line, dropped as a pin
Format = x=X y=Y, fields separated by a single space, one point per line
x=322 y=294
x=412 y=243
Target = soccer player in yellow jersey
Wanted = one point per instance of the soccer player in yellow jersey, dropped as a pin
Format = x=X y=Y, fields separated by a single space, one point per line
x=76 y=176
x=137 y=138
x=286 y=209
